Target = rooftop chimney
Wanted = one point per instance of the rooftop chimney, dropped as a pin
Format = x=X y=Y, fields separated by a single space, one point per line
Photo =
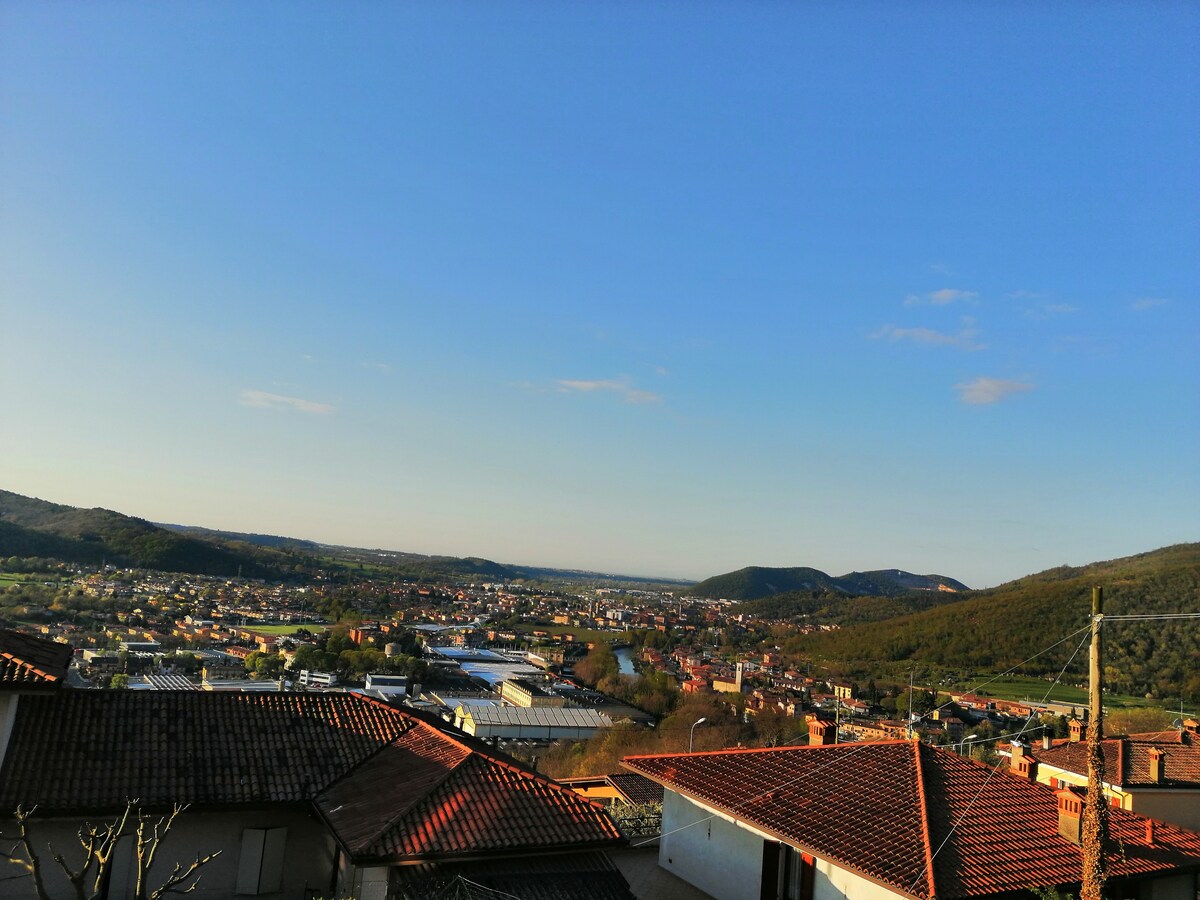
x=1156 y=765
x=818 y=732
x=1078 y=731
x=1047 y=741
x=1150 y=832
x=1022 y=765
x=1070 y=815
x=1191 y=726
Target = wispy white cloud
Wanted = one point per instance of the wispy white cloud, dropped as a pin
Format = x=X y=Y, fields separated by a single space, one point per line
x=1041 y=311
x=377 y=366
x=941 y=269
x=1145 y=303
x=983 y=390
x=622 y=389
x=266 y=400
x=660 y=370
x=964 y=339
x=940 y=298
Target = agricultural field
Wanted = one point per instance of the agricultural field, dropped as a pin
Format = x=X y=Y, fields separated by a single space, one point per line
x=1018 y=688
x=582 y=635
x=314 y=627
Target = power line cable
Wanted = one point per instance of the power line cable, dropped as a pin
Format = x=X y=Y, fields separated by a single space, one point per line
x=993 y=772
x=850 y=753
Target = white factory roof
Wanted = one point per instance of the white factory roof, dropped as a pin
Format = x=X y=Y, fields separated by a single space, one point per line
x=546 y=717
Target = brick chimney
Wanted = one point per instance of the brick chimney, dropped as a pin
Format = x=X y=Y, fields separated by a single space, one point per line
x=1150 y=832
x=819 y=732
x=1156 y=765
x=1078 y=731
x=1070 y=814
x=1191 y=726
x=1022 y=764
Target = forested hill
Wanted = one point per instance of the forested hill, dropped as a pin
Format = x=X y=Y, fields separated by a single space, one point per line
x=1000 y=627
x=37 y=528
x=273 y=541
x=755 y=582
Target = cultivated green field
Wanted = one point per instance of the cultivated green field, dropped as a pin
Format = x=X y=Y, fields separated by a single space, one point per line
x=286 y=629
x=582 y=635
x=1034 y=690
x=9 y=578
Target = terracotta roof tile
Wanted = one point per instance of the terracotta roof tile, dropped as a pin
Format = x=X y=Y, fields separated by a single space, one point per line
x=1127 y=759
x=389 y=782
x=94 y=749
x=636 y=788
x=904 y=813
x=455 y=798
x=30 y=662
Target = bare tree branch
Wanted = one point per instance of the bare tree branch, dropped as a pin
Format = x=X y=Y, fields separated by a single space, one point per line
x=98 y=845
x=180 y=875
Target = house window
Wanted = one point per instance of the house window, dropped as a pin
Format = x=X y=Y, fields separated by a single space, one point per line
x=260 y=867
x=787 y=874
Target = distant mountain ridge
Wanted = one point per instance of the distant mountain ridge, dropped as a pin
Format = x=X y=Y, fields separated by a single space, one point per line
x=757 y=582
x=31 y=527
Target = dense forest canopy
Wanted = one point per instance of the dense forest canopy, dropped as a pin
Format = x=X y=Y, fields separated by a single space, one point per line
x=999 y=628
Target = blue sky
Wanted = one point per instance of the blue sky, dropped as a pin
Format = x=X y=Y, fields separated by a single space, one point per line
x=665 y=289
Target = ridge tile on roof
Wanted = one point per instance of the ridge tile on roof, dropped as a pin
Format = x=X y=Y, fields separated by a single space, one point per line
x=859 y=805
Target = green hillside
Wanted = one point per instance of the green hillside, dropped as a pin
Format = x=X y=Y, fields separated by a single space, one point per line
x=32 y=527
x=999 y=628
x=821 y=608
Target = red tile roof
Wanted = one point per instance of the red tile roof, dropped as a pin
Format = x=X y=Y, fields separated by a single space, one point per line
x=1127 y=759
x=450 y=796
x=910 y=816
x=636 y=788
x=85 y=750
x=29 y=662
x=388 y=782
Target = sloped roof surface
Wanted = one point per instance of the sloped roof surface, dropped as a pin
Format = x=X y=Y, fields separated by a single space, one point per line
x=539 y=716
x=390 y=783
x=636 y=788
x=83 y=750
x=456 y=798
x=30 y=662
x=919 y=819
x=1127 y=759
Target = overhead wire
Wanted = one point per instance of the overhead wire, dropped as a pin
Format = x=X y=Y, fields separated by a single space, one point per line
x=848 y=754
x=995 y=769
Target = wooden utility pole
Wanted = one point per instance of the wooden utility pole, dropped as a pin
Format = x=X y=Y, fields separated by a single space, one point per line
x=1095 y=810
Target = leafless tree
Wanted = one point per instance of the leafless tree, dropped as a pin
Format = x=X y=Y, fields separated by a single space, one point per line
x=90 y=877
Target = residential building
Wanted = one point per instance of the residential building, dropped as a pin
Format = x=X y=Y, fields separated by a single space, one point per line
x=890 y=819
x=302 y=794
x=1155 y=774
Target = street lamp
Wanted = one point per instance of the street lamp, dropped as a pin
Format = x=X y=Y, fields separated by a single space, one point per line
x=692 y=731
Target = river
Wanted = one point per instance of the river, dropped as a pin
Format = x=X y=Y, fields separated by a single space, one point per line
x=625 y=660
